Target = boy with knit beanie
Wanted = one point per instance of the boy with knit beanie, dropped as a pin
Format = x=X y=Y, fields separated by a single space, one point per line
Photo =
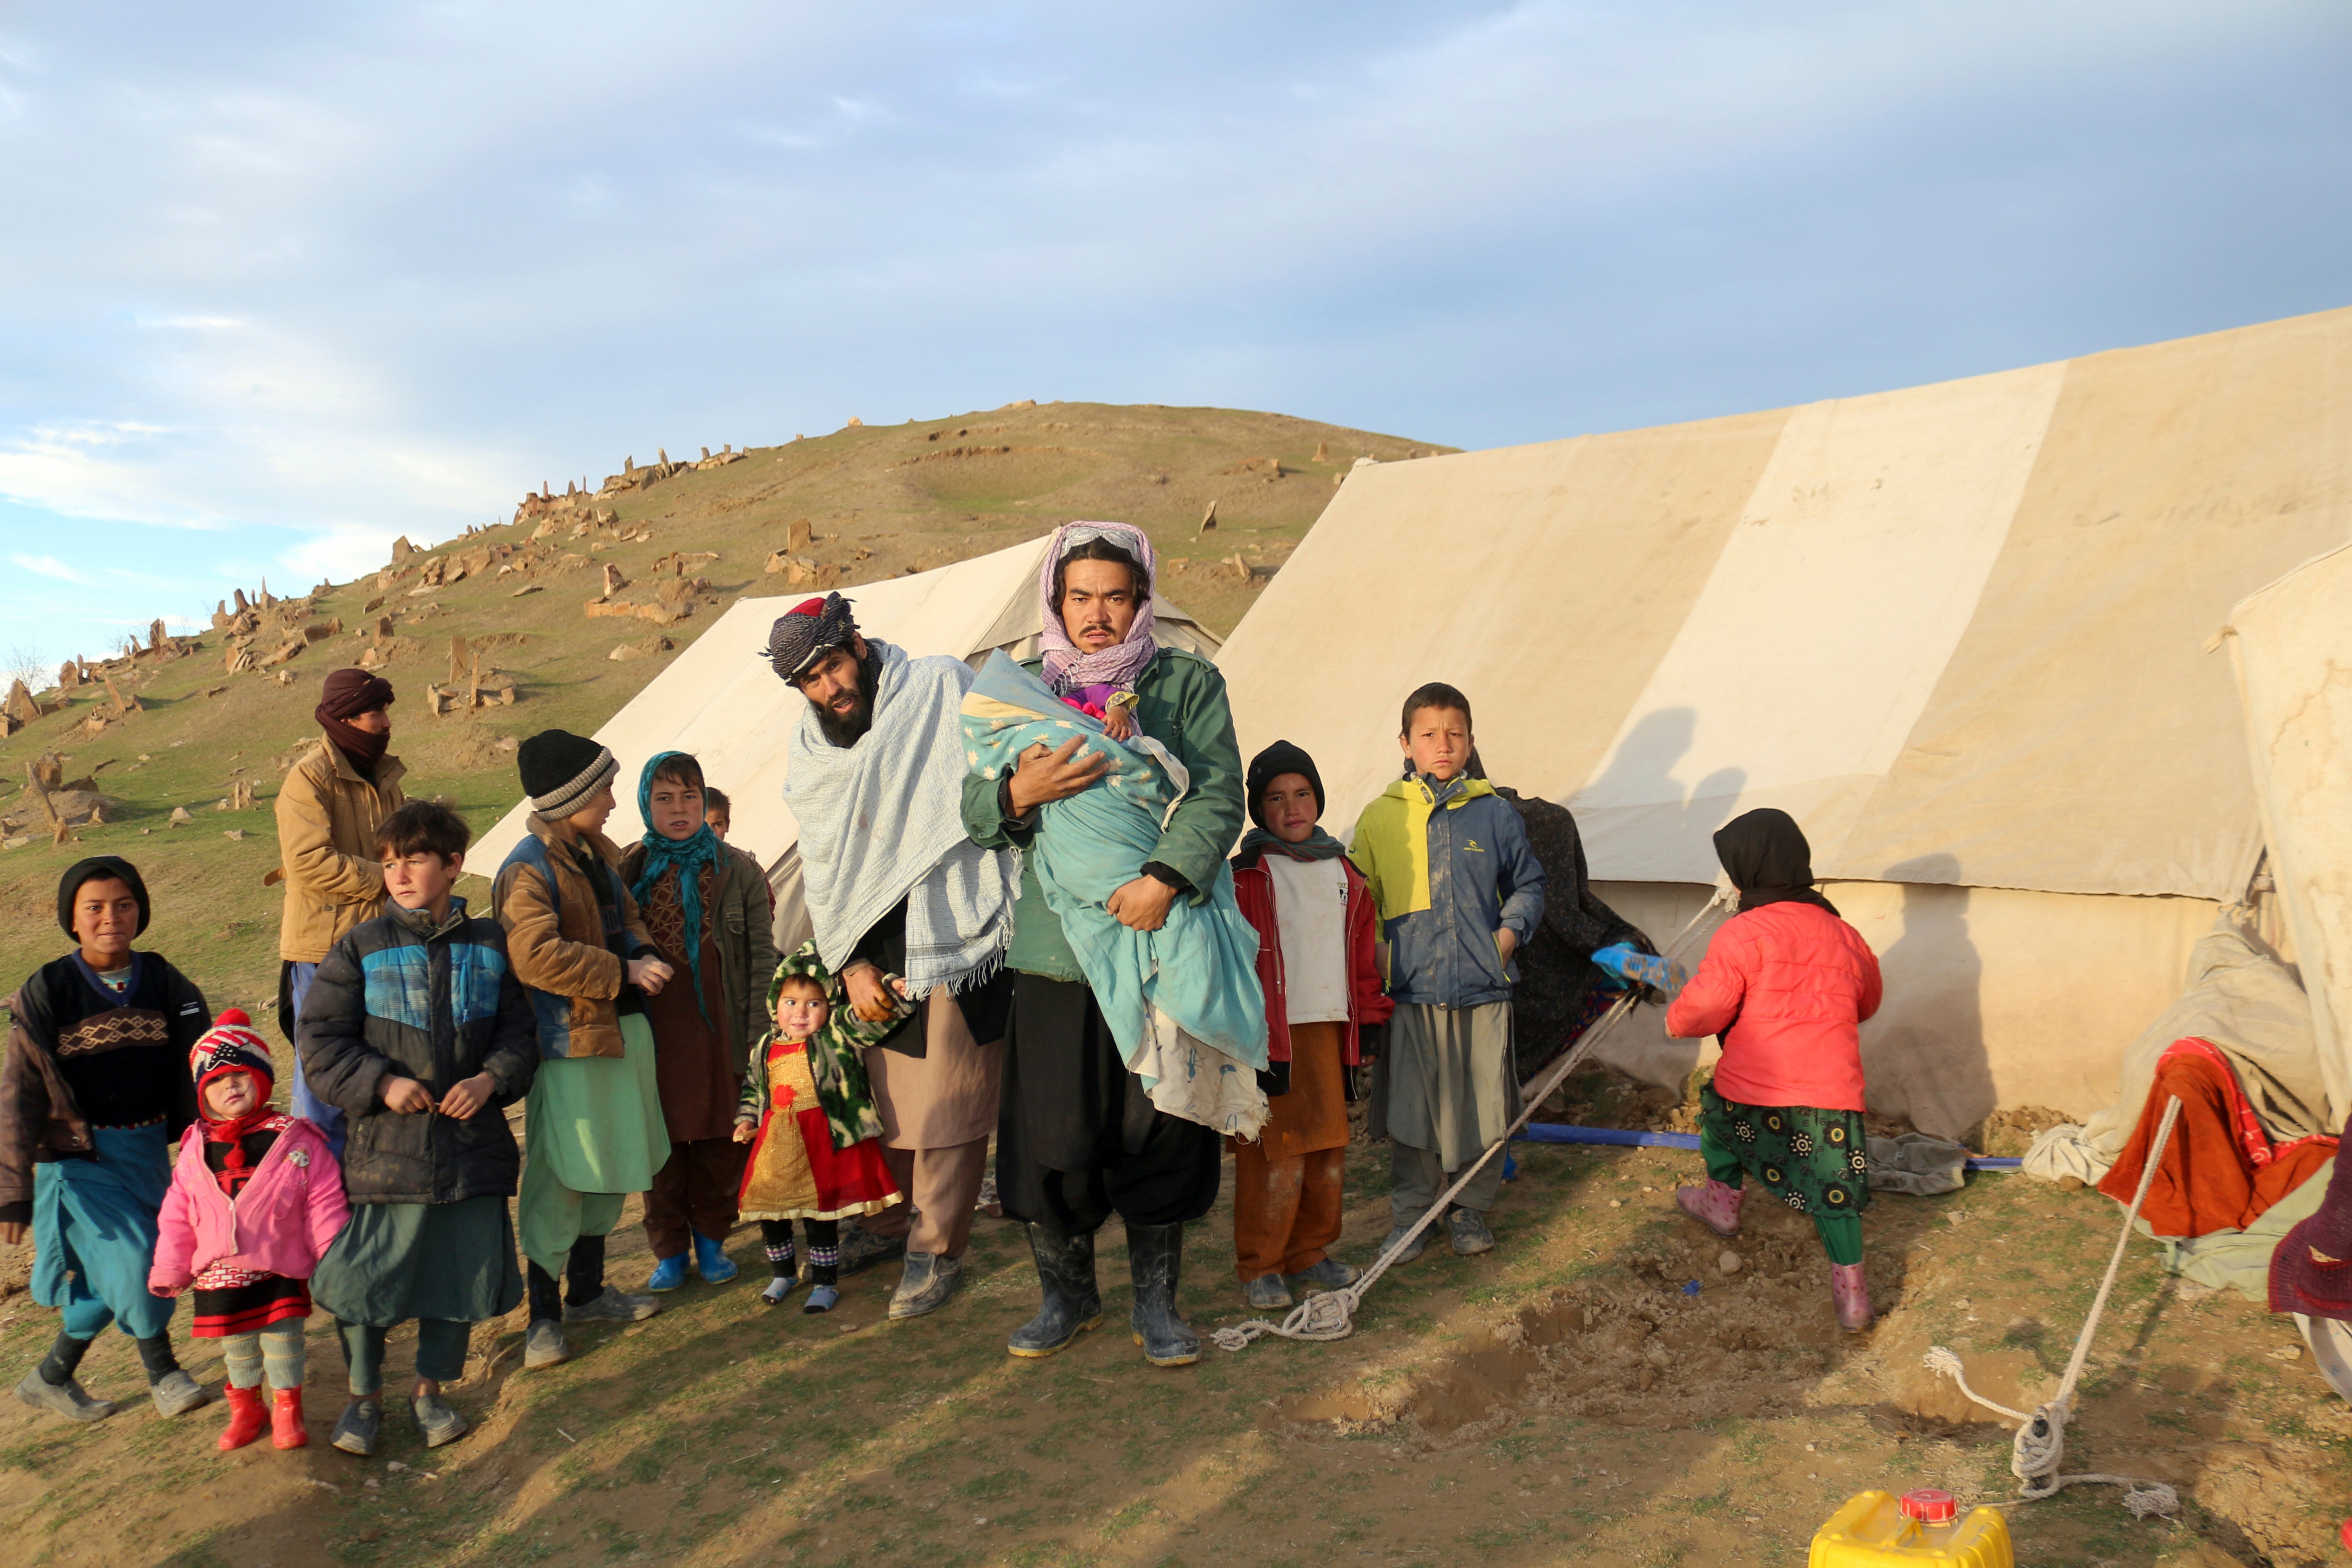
x=255 y=1199
x=94 y=1089
x=586 y=962
x=1318 y=964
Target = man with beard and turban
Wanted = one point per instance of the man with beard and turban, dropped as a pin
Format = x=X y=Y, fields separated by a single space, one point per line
x=895 y=887
x=332 y=802
x=1080 y=1137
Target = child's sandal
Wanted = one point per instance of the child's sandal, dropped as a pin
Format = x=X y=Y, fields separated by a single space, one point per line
x=778 y=1289
x=821 y=1298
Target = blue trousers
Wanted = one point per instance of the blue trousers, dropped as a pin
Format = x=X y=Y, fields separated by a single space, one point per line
x=309 y=1106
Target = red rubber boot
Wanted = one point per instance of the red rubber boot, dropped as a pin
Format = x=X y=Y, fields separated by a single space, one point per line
x=246 y=1417
x=286 y=1427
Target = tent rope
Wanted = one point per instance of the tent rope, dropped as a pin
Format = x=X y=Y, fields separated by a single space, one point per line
x=2039 y=1448
x=1330 y=1315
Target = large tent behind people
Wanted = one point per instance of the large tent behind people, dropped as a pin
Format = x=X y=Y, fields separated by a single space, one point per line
x=2291 y=643
x=1959 y=631
x=720 y=700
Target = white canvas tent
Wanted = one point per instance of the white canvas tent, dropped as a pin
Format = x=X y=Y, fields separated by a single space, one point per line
x=2291 y=643
x=1956 y=630
x=721 y=700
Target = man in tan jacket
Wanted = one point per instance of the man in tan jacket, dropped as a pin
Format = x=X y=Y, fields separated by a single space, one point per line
x=328 y=812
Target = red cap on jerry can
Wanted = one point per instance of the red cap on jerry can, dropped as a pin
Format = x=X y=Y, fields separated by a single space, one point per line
x=1930 y=1505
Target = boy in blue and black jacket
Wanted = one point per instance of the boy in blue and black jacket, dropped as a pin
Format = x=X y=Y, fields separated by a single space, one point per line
x=417 y=1031
x=1458 y=891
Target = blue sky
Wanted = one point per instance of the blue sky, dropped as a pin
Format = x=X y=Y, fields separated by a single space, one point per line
x=278 y=286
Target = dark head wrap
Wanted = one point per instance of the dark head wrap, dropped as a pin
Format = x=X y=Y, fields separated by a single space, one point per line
x=808 y=631
x=347 y=694
x=1270 y=765
x=96 y=868
x=1765 y=854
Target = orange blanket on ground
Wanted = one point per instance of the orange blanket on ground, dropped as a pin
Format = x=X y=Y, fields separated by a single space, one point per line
x=2220 y=1169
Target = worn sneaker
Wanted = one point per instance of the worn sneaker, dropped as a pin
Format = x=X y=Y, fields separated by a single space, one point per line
x=542 y=1345
x=438 y=1422
x=612 y=1305
x=1396 y=1234
x=176 y=1393
x=1330 y=1274
x=861 y=1249
x=1469 y=1232
x=67 y=1399
x=931 y=1278
x=355 y=1433
x=1267 y=1293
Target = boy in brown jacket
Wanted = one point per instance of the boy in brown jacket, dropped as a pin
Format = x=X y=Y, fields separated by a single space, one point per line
x=327 y=811
x=593 y=1128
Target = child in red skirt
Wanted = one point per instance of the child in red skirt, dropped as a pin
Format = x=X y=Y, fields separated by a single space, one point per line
x=255 y=1198
x=808 y=1113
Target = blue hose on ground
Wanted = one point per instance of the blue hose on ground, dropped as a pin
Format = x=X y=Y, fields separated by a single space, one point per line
x=1554 y=1133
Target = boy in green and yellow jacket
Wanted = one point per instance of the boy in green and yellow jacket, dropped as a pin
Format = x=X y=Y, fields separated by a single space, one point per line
x=1458 y=890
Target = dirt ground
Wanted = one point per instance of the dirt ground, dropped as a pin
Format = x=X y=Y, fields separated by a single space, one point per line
x=1564 y=1398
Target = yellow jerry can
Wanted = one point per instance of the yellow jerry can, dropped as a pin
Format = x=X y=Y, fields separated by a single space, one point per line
x=1879 y=1530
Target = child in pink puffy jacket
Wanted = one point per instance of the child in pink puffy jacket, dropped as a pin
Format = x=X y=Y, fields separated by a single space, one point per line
x=1787 y=984
x=255 y=1198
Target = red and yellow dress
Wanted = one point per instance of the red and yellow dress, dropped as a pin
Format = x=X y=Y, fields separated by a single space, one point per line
x=794 y=1172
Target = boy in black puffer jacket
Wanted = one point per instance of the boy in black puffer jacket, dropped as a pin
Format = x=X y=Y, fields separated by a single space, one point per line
x=417 y=1030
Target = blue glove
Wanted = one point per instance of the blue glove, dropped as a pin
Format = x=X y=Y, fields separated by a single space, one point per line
x=1624 y=959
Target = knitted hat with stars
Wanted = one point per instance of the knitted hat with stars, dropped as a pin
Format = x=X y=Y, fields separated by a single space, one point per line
x=231 y=1045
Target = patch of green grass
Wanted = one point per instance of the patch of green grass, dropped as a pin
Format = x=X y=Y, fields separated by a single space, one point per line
x=991 y=1485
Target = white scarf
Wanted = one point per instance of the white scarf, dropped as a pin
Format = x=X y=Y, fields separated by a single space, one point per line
x=882 y=821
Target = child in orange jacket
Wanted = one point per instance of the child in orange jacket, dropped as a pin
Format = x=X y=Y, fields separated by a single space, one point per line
x=1786 y=985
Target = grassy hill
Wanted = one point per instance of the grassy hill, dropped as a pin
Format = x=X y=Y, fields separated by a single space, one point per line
x=878 y=501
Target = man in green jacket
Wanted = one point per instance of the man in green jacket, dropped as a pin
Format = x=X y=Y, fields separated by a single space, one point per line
x=1077 y=1138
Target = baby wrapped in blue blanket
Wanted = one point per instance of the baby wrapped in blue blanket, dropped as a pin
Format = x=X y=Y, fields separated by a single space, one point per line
x=1183 y=1001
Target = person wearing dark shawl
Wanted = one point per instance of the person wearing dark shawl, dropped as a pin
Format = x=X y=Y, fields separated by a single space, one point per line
x=1786 y=984
x=895 y=885
x=1318 y=964
x=327 y=811
x=1561 y=989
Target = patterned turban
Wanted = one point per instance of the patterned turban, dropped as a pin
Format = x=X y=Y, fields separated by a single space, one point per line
x=808 y=631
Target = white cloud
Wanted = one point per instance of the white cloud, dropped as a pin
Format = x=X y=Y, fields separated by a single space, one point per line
x=48 y=567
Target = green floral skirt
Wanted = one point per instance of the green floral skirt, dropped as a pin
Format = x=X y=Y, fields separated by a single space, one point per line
x=1812 y=1159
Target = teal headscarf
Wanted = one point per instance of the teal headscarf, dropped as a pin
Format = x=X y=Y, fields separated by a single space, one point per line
x=688 y=856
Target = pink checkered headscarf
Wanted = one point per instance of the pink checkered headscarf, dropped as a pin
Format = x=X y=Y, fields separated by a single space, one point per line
x=1119 y=666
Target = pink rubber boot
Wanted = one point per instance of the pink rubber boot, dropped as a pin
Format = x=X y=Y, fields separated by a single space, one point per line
x=1714 y=1206
x=1850 y=1291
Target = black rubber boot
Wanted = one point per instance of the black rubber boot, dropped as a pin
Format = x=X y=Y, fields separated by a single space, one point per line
x=1155 y=1257
x=1065 y=1274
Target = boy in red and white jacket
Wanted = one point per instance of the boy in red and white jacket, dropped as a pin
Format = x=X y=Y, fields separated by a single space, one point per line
x=255 y=1198
x=1786 y=985
x=1318 y=964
